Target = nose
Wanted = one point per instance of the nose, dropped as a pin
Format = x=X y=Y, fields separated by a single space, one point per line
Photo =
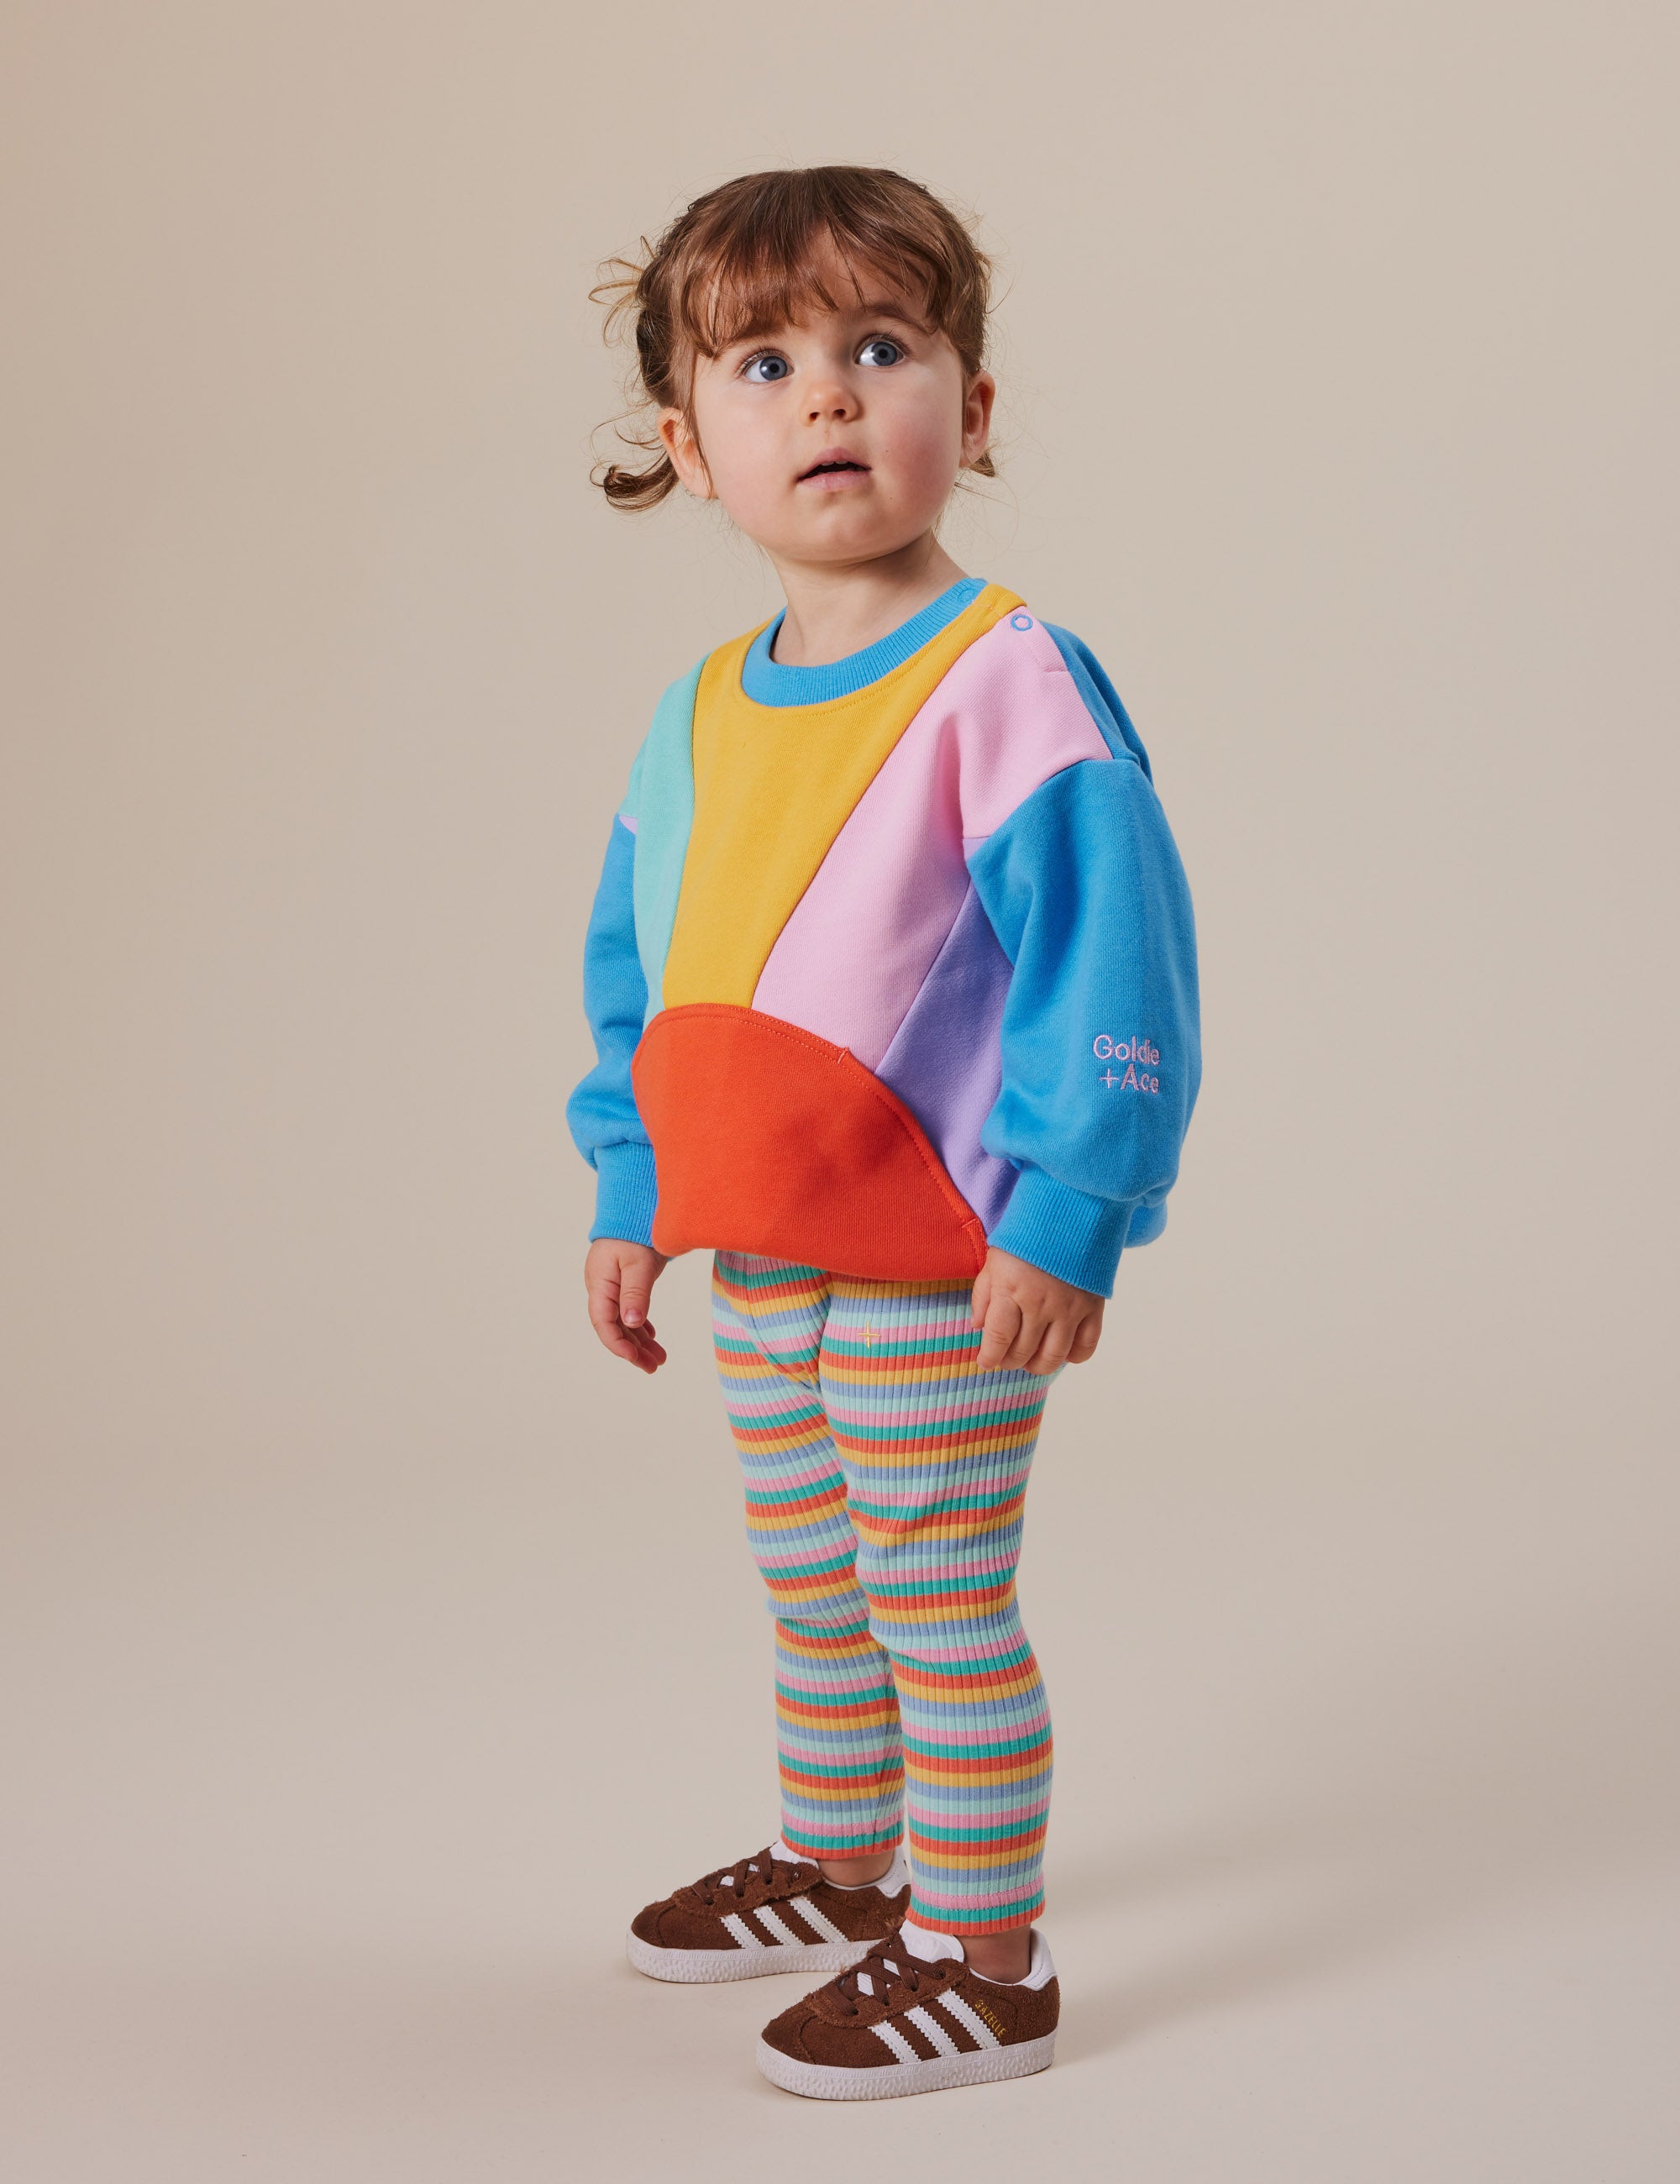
x=830 y=397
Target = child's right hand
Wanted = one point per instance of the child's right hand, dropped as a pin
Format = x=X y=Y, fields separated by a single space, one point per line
x=620 y=1277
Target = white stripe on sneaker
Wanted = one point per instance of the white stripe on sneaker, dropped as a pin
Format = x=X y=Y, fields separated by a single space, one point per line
x=778 y=1929
x=970 y=2020
x=937 y=2033
x=736 y=1924
x=818 y=1921
x=896 y=2041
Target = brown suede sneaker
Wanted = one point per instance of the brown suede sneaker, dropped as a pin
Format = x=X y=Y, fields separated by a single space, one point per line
x=903 y=2022
x=770 y=1913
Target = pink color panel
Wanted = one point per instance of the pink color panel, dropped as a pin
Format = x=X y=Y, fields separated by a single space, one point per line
x=862 y=938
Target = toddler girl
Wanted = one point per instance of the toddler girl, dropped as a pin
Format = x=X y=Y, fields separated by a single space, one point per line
x=891 y=979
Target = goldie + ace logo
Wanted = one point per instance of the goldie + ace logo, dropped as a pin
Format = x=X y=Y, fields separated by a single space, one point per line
x=1138 y=1056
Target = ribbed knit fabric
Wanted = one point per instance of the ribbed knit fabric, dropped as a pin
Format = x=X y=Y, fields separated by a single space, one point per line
x=772 y=682
x=885 y=1478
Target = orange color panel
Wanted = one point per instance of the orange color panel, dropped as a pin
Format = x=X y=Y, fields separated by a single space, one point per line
x=767 y=1139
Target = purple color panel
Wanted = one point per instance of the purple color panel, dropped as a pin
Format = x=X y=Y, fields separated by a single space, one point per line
x=946 y=1059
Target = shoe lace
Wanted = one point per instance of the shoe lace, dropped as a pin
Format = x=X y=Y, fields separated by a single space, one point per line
x=736 y=1877
x=890 y=1964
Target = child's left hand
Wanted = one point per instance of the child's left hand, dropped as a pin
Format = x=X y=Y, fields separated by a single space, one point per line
x=1031 y=1318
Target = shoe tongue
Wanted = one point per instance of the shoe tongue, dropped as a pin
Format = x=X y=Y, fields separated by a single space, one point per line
x=921 y=1941
x=779 y=1849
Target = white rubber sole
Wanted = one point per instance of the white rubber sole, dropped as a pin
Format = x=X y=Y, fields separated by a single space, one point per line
x=697 y=1967
x=886 y=2081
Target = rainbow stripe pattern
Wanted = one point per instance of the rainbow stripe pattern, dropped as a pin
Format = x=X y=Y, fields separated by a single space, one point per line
x=885 y=1478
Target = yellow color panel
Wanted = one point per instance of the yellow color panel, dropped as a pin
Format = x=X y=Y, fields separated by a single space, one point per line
x=773 y=786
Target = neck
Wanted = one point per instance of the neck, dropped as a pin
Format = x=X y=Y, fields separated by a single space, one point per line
x=837 y=608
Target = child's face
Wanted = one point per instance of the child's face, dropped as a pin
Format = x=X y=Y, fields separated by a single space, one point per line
x=866 y=386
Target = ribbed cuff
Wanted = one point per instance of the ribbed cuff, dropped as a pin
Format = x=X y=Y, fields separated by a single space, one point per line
x=1069 y=1233
x=625 y=1191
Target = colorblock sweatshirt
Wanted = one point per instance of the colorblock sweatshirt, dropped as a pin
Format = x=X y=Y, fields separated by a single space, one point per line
x=892 y=959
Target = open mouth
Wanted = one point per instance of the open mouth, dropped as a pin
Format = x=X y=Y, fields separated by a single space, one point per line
x=837 y=465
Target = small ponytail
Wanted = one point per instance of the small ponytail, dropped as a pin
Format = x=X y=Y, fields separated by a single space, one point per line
x=641 y=292
x=632 y=489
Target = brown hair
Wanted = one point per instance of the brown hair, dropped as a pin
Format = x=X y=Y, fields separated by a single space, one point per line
x=741 y=261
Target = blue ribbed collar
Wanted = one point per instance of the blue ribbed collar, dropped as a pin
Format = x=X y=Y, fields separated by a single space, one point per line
x=768 y=682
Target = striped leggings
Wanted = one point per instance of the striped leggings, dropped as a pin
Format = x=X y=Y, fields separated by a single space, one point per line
x=885 y=1478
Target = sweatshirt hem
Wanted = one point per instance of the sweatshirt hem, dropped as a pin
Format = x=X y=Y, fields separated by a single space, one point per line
x=626 y=1192
x=1069 y=1233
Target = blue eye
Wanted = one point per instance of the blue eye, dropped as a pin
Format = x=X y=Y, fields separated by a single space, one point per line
x=776 y=368
x=880 y=341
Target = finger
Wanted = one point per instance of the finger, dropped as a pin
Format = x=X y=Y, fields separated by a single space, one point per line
x=646 y=1355
x=981 y=1298
x=1026 y=1343
x=603 y=1318
x=634 y=1294
x=1003 y=1324
x=603 y=1312
x=1086 y=1341
x=1054 y=1345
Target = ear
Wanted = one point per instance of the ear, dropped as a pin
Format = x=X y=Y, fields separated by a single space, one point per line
x=977 y=417
x=684 y=450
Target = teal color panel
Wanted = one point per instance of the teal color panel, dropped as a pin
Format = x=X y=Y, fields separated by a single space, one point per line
x=665 y=816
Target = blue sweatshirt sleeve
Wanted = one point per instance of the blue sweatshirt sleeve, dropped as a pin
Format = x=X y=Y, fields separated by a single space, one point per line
x=601 y=1113
x=1101 y=1034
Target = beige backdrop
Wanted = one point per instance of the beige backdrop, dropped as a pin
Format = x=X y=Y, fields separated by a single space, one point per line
x=375 y=1644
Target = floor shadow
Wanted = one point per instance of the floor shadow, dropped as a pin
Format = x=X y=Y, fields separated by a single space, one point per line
x=1527 y=1775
